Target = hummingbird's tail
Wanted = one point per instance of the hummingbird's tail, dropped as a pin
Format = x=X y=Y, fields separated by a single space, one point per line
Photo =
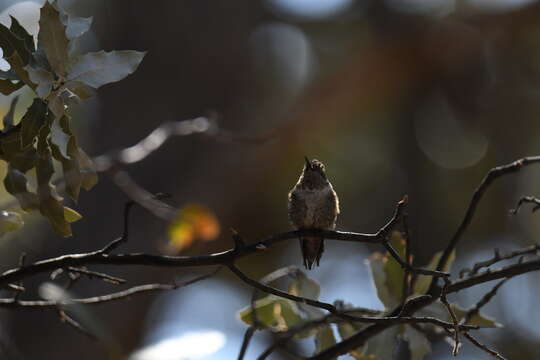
x=312 y=249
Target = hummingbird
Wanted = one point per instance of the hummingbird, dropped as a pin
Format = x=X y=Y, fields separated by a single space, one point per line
x=313 y=204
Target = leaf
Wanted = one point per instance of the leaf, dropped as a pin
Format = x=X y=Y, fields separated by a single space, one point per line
x=42 y=78
x=7 y=86
x=305 y=287
x=423 y=281
x=419 y=345
x=273 y=312
x=52 y=37
x=71 y=215
x=80 y=89
x=308 y=288
x=376 y=265
x=19 y=31
x=100 y=68
x=11 y=44
x=17 y=67
x=393 y=270
x=387 y=273
x=382 y=346
x=10 y=221
x=88 y=170
x=8 y=118
x=72 y=170
x=32 y=122
x=59 y=137
x=15 y=183
x=50 y=204
x=193 y=222
x=324 y=339
x=77 y=26
x=56 y=103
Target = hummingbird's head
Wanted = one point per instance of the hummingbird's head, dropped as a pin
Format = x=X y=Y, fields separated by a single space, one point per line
x=314 y=176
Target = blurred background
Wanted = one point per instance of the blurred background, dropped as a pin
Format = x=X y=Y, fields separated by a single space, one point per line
x=396 y=97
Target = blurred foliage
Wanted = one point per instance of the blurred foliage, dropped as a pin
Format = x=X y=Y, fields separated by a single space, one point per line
x=193 y=222
x=60 y=78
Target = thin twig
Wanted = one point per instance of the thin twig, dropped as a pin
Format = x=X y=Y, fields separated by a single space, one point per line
x=245 y=342
x=482 y=302
x=274 y=291
x=483 y=347
x=407 y=279
x=529 y=200
x=491 y=176
x=455 y=320
x=65 y=318
x=533 y=249
x=120 y=295
x=94 y=274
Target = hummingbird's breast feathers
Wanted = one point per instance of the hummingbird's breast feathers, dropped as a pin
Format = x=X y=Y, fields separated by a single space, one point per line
x=317 y=208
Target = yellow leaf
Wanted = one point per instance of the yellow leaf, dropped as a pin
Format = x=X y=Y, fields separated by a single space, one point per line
x=194 y=222
x=71 y=215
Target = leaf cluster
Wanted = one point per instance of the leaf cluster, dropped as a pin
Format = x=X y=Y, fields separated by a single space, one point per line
x=43 y=137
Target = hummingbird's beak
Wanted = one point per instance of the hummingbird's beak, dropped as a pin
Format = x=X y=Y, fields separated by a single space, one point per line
x=308 y=163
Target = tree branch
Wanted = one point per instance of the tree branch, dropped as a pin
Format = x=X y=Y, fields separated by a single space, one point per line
x=491 y=176
x=120 y=295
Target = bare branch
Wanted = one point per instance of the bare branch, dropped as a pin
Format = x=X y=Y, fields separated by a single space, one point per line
x=120 y=295
x=526 y=199
x=483 y=347
x=491 y=176
x=533 y=249
x=482 y=302
x=444 y=300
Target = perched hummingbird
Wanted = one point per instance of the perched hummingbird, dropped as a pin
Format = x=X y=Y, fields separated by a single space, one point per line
x=313 y=204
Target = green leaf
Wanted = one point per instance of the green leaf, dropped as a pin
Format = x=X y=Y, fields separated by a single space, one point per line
x=393 y=270
x=88 y=171
x=324 y=339
x=16 y=183
x=10 y=221
x=8 y=118
x=42 y=78
x=382 y=346
x=419 y=345
x=56 y=103
x=80 y=89
x=59 y=137
x=376 y=265
x=100 y=68
x=71 y=215
x=7 y=86
x=32 y=122
x=50 y=204
x=387 y=273
x=17 y=67
x=12 y=44
x=305 y=287
x=19 y=31
x=423 y=281
x=273 y=312
x=52 y=37
x=77 y=26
